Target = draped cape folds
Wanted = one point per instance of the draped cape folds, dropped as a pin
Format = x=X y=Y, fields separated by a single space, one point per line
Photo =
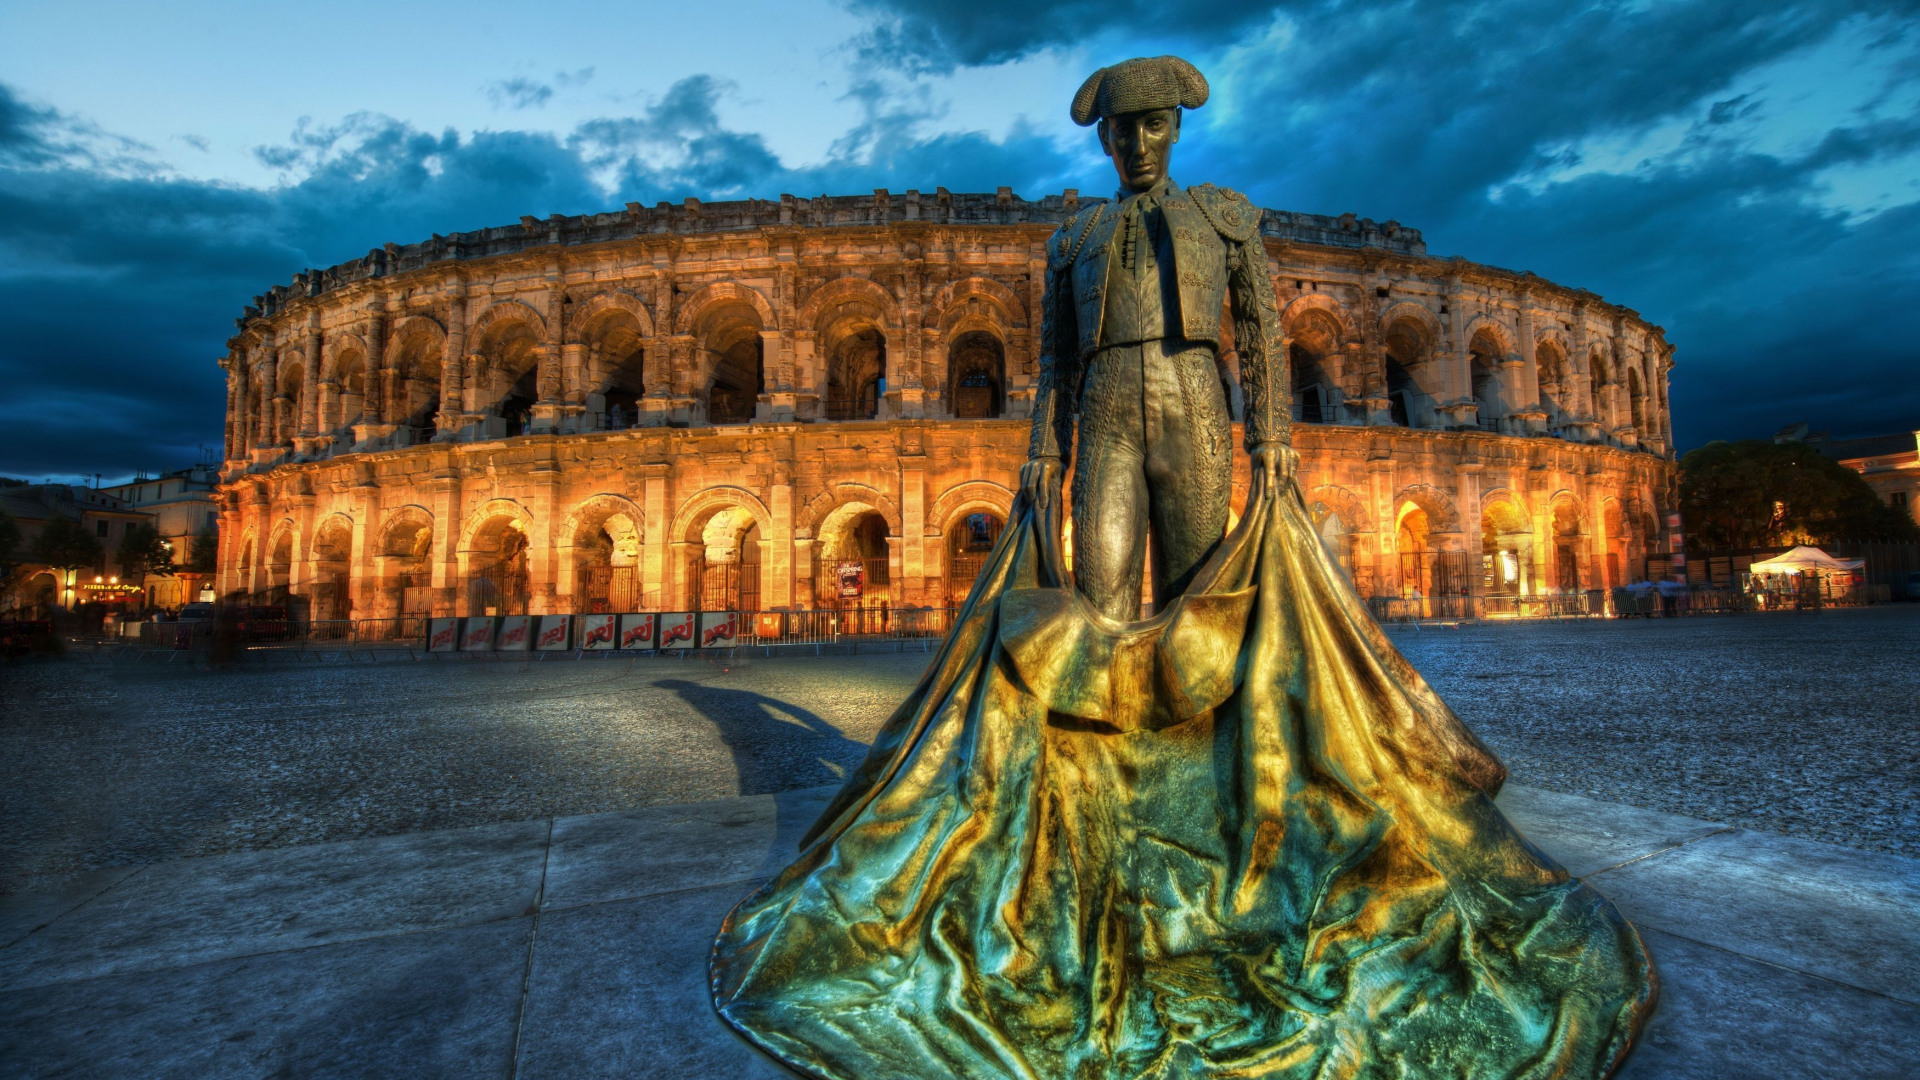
x=1243 y=838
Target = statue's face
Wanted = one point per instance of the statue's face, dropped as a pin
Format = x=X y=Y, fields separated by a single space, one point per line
x=1141 y=145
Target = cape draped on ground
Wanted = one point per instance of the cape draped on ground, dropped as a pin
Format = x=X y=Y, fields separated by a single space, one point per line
x=1243 y=838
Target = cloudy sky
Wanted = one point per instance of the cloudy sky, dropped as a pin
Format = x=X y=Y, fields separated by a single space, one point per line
x=1744 y=172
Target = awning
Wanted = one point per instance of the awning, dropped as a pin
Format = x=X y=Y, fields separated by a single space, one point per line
x=1805 y=558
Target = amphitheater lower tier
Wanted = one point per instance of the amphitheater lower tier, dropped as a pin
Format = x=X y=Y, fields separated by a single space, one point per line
x=885 y=514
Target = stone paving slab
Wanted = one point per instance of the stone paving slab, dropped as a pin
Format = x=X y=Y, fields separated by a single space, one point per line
x=1849 y=916
x=415 y=955
x=437 y=1004
x=192 y=910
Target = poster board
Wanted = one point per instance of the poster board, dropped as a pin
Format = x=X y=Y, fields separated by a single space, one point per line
x=596 y=632
x=443 y=635
x=555 y=633
x=515 y=634
x=769 y=625
x=479 y=634
x=636 y=631
x=852 y=579
x=719 y=629
x=676 y=631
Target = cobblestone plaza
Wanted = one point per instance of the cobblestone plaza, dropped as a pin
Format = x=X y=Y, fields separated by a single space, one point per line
x=1796 y=723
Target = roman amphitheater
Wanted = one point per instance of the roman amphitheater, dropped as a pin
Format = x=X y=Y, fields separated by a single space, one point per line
x=810 y=404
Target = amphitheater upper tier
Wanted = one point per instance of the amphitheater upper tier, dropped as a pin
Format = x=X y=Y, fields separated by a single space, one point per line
x=765 y=393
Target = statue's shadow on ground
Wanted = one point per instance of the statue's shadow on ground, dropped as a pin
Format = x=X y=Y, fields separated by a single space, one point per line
x=776 y=745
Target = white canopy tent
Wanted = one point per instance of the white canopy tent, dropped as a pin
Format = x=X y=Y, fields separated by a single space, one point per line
x=1805 y=558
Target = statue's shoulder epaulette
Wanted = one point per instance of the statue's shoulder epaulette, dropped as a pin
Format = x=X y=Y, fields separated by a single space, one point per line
x=1231 y=213
x=1067 y=240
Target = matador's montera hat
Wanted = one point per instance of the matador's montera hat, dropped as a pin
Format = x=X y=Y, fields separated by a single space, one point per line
x=1138 y=85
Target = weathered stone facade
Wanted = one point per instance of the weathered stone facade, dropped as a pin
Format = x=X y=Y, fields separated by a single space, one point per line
x=616 y=408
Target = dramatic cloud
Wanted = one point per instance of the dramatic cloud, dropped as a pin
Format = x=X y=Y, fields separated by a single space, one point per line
x=1747 y=175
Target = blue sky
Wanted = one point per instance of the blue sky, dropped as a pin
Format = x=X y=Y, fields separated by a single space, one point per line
x=1746 y=174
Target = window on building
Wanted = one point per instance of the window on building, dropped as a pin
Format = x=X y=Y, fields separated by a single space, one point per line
x=1898 y=500
x=99 y=528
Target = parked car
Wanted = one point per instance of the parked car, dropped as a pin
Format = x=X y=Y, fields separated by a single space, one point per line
x=1913 y=585
x=196 y=613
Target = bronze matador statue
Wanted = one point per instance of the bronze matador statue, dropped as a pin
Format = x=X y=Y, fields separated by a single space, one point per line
x=1239 y=838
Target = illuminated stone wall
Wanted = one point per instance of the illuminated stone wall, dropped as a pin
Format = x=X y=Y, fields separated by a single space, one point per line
x=531 y=416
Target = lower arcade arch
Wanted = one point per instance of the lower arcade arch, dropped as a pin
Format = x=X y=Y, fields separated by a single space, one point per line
x=724 y=567
x=1506 y=549
x=970 y=537
x=1568 y=546
x=406 y=554
x=330 y=590
x=497 y=577
x=853 y=564
x=605 y=557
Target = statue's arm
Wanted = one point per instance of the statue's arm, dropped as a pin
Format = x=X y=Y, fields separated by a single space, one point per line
x=1264 y=376
x=1059 y=369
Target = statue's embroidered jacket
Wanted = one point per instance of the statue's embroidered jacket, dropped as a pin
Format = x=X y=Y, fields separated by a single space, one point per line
x=1217 y=257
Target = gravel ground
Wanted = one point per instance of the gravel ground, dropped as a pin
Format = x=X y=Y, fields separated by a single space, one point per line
x=1801 y=724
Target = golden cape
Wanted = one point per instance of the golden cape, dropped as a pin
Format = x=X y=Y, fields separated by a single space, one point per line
x=1243 y=838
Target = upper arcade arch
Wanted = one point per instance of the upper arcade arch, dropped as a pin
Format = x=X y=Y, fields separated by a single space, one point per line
x=580 y=328
x=976 y=301
x=719 y=294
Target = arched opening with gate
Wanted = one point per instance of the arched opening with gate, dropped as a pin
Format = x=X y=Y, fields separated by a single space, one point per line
x=332 y=569
x=606 y=559
x=1506 y=549
x=970 y=540
x=1335 y=534
x=978 y=375
x=406 y=547
x=1614 y=539
x=723 y=562
x=853 y=571
x=1566 y=546
x=280 y=565
x=497 y=579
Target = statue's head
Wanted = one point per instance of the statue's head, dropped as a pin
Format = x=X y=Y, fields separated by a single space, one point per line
x=1137 y=105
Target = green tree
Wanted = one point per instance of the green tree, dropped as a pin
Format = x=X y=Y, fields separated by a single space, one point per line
x=1750 y=494
x=143 y=552
x=203 y=553
x=65 y=544
x=9 y=544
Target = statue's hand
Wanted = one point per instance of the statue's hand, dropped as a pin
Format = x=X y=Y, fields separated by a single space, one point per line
x=1277 y=461
x=1040 y=480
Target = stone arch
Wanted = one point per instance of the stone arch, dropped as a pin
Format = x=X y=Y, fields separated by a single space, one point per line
x=1553 y=372
x=284 y=537
x=1339 y=500
x=1489 y=346
x=964 y=498
x=731 y=356
x=496 y=557
x=597 y=508
x=720 y=293
x=1507 y=542
x=509 y=338
x=1318 y=330
x=506 y=311
x=1442 y=516
x=841 y=290
x=1326 y=305
x=977 y=298
x=340 y=346
x=1420 y=314
x=330 y=567
x=418 y=348
x=617 y=334
x=701 y=506
x=602 y=304
x=400 y=531
x=823 y=504
x=1410 y=337
x=490 y=511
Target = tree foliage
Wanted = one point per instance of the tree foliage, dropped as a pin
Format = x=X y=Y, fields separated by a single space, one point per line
x=144 y=552
x=65 y=544
x=1753 y=494
x=203 y=553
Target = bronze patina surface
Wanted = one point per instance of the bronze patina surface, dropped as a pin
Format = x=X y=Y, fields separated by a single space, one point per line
x=1240 y=838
